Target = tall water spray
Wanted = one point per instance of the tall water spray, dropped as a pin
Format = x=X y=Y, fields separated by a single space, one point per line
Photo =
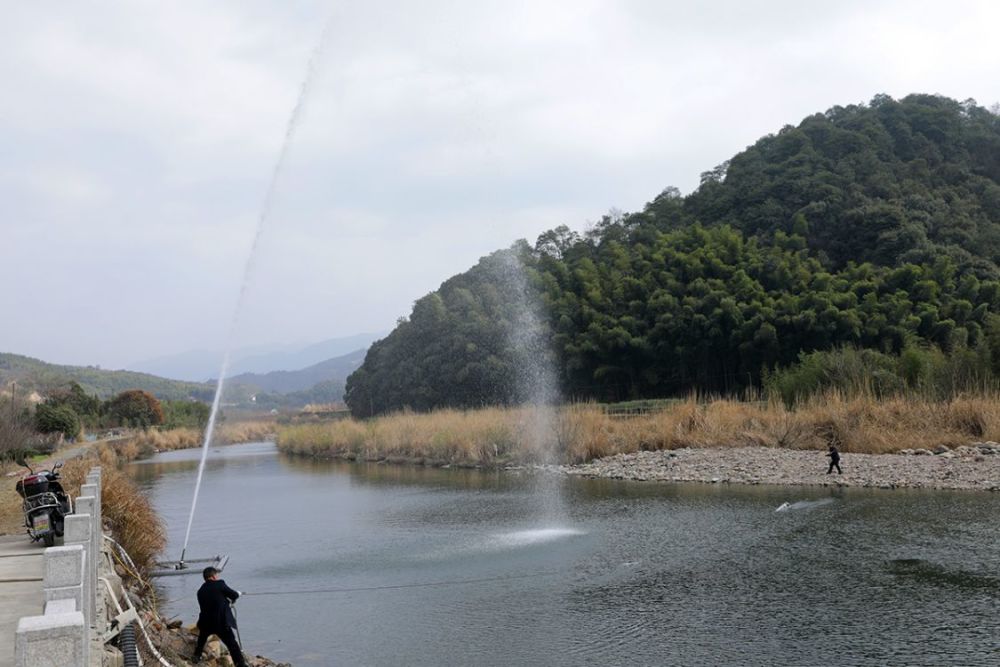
x=536 y=381
x=262 y=219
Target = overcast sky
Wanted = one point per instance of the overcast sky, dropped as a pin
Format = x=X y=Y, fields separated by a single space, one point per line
x=137 y=140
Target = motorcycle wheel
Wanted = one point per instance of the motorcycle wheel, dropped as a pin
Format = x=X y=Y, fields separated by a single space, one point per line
x=49 y=539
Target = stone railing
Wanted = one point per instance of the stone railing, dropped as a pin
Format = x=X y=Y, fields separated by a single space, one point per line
x=66 y=633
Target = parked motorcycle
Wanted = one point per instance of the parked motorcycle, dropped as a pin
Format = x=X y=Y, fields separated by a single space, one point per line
x=45 y=503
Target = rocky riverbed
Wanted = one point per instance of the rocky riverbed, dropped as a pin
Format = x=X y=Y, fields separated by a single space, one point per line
x=974 y=467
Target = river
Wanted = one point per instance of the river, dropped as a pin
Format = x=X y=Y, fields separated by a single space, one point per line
x=456 y=567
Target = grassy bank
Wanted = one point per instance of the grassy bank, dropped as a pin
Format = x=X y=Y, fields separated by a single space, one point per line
x=149 y=442
x=133 y=521
x=583 y=432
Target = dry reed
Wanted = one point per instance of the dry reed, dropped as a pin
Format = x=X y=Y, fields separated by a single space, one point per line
x=584 y=432
x=131 y=517
x=151 y=441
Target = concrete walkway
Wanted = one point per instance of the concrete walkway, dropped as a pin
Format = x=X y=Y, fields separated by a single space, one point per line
x=21 y=570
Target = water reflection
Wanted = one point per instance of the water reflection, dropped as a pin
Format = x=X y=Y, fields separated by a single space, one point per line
x=389 y=474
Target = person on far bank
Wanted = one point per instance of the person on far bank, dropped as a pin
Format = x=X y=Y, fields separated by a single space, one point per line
x=216 y=616
x=834 y=461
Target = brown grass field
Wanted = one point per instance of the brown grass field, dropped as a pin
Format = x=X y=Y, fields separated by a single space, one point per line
x=583 y=432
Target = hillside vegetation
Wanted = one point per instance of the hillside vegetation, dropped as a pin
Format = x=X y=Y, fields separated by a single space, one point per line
x=867 y=227
x=320 y=383
x=36 y=375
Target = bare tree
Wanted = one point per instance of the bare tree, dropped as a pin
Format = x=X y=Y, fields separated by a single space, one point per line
x=15 y=425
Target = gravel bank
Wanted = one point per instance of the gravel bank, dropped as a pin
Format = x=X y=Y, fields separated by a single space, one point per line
x=974 y=467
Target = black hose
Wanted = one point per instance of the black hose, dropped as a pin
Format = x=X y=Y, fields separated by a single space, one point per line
x=239 y=640
x=128 y=645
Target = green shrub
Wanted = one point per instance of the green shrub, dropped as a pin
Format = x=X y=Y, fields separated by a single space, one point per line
x=57 y=419
x=924 y=371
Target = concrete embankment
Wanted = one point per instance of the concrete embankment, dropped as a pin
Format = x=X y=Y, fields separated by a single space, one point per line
x=972 y=467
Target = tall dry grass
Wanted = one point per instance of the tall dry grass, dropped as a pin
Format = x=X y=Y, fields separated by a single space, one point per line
x=458 y=436
x=583 y=432
x=151 y=441
x=244 y=431
x=147 y=443
x=133 y=521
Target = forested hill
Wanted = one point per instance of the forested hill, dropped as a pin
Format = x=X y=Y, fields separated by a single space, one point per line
x=874 y=226
x=36 y=375
x=887 y=183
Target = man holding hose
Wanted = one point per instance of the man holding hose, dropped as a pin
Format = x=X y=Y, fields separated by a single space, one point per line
x=216 y=616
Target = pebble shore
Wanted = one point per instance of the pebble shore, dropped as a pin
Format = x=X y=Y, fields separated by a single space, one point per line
x=973 y=467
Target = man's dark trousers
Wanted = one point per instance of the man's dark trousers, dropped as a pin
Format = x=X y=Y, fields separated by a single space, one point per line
x=227 y=637
x=832 y=464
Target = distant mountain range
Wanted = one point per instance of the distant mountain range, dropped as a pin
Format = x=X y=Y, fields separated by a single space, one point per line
x=286 y=382
x=204 y=365
x=321 y=382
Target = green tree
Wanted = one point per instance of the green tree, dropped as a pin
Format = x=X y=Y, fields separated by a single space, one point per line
x=134 y=407
x=86 y=407
x=57 y=419
x=185 y=414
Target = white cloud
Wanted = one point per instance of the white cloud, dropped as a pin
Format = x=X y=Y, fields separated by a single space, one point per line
x=138 y=140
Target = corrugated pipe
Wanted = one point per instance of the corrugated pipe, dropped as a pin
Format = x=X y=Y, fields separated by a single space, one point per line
x=142 y=626
x=127 y=643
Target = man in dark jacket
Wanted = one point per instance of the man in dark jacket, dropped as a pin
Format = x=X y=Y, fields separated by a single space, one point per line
x=216 y=616
x=834 y=460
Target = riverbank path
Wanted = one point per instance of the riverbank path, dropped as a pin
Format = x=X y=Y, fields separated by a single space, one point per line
x=21 y=570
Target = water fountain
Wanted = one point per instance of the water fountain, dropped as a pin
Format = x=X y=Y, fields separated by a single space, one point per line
x=535 y=379
x=262 y=220
x=535 y=383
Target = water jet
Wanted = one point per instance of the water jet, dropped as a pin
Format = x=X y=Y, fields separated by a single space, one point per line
x=262 y=219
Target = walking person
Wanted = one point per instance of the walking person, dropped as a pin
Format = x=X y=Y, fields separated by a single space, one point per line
x=834 y=461
x=216 y=616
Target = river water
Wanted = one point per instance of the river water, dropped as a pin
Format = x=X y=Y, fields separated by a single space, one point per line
x=439 y=567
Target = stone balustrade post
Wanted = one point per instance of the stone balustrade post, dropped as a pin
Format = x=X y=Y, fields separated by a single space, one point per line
x=65 y=574
x=96 y=517
x=94 y=477
x=78 y=532
x=59 y=638
x=91 y=490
